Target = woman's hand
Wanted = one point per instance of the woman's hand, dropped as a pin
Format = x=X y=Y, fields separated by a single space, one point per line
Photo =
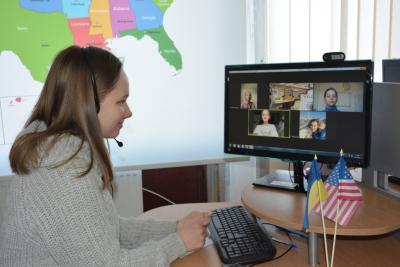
x=192 y=229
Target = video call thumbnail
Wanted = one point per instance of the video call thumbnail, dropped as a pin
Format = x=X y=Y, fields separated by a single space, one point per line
x=294 y=96
x=248 y=93
x=338 y=97
x=269 y=123
x=312 y=125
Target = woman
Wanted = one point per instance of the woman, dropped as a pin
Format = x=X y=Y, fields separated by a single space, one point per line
x=265 y=128
x=60 y=211
x=330 y=98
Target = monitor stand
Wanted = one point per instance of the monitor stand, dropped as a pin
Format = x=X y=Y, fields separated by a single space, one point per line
x=281 y=179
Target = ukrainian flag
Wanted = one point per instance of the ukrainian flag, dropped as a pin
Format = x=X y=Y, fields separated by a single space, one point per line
x=316 y=191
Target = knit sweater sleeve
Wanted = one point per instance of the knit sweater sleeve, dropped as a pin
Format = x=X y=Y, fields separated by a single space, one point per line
x=133 y=231
x=77 y=223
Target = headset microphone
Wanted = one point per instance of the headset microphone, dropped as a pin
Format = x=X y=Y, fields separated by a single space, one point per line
x=119 y=143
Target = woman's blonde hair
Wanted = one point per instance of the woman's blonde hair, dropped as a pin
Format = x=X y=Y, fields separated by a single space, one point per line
x=67 y=105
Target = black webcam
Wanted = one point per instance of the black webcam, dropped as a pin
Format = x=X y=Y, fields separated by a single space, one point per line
x=334 y=57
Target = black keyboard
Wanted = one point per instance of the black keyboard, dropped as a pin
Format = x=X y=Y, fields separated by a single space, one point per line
x=238 y=238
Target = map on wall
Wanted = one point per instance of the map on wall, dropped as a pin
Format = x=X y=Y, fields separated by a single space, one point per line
x=163 y=44
x=78 y=22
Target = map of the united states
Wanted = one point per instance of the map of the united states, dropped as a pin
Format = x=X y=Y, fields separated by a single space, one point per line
x=35 y=30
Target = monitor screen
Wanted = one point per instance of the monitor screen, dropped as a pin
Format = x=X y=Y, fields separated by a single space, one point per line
x=293 y=111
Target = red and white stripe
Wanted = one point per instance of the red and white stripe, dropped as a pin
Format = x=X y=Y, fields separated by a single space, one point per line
x=348 y=205
x=348 y=190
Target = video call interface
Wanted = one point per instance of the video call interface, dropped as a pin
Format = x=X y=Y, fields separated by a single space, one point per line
x=297 y=111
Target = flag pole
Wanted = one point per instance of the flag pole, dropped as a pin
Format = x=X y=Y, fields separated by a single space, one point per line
x=334 y=235
x=323 y=221
x=336 y=221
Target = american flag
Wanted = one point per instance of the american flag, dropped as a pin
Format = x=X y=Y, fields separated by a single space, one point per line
x=340 y=186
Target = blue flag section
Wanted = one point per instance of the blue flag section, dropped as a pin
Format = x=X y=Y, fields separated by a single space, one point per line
x=316 y=192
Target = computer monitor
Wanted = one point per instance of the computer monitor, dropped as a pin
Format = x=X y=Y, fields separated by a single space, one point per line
x=391 y=70
x=294 y=111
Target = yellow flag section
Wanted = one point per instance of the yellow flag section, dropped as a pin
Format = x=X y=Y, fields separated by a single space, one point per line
x=317 y=193
x=100 y=18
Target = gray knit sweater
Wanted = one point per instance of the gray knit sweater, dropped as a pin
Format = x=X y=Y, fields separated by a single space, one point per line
x=55 y=219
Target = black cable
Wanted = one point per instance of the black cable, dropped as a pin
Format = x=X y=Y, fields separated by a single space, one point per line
x=290 y=245
x=299 y=234
x=284 y=253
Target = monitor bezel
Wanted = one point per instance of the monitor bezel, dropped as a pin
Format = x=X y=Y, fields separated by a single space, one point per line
x=289 y=156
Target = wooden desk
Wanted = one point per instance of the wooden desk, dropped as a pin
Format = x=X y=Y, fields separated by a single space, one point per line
x=349 y=252
x=377 y=215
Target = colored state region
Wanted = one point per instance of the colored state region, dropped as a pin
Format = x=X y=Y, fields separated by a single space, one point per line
x=76 y=8
x=46 y=6
x=34 y=37
x=148 y=15
x=122 y=17
x=163 y=5
x=80 y=29
x=166 y=46
x=100 y=19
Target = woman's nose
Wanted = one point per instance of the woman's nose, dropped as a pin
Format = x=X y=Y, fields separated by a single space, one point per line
x=128 y=112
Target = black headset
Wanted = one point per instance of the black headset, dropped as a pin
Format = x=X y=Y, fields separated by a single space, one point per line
x=86 y=56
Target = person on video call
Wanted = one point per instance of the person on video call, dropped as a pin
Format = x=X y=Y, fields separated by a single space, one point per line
x=330 y=98
x=247 y=101
x=60 y=210
x=313 y=129
x=311 y=132
x=265 y=128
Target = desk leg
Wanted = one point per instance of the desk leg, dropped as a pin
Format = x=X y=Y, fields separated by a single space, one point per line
x=313 y=259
